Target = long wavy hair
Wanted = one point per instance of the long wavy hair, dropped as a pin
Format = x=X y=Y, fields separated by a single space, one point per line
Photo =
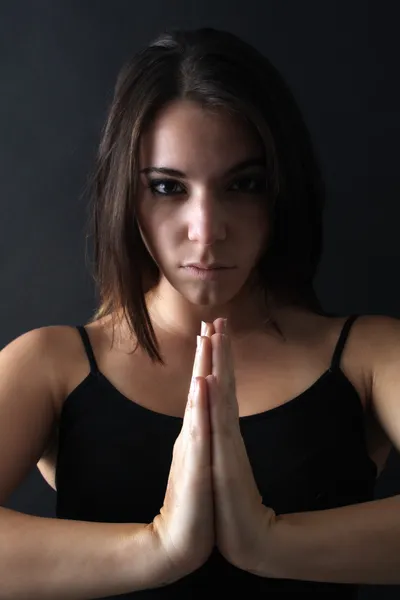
x=218 y=70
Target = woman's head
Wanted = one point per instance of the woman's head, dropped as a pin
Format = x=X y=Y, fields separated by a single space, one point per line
x=201 y=198
x=201 y=103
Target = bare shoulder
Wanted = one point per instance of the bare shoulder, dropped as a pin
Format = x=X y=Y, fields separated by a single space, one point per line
x=370 y=341
x=370 y=333
x=378 y=338
x=31 y=385
x=377 y=327
x=367 y=331
x=54 y=353
x=44 y=352
x=32 y=357
x=381 y=338
x=35 y=348
x=375 y=348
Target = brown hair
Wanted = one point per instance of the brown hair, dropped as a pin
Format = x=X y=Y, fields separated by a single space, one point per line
x=220 y=70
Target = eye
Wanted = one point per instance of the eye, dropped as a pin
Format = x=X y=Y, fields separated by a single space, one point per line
x=165 y=187
x=252 y=185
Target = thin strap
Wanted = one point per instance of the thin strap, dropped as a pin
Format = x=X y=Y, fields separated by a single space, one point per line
x=88 y=347
x=341 y=342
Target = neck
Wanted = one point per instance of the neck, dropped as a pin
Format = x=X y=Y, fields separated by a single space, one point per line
x=174 y=314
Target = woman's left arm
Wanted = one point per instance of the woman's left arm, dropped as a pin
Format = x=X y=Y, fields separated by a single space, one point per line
x=358 y=543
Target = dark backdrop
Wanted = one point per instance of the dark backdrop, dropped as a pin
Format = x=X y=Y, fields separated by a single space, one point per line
x=58 y=64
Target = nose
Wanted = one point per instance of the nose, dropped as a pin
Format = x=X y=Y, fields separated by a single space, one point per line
x=206 y=219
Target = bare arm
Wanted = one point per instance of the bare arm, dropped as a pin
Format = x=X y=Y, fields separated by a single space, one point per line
x=44 y=558
x=359 y=543
x=351 y=544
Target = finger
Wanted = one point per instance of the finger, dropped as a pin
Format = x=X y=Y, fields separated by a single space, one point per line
x=207 y=329
x=196 y=394
x=203 y=362
x=220 y=325
x=224 y=388
x=199 y=428
x=192 y=389
x=222 y=361
x=217 y=355
x=201 y=368
x=219 y=422
x=229 y=364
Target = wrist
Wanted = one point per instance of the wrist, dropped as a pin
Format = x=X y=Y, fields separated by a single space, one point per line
x=261 y=559
x=144 y=556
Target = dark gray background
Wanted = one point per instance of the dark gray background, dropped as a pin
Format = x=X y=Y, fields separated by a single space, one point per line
x=59 y=61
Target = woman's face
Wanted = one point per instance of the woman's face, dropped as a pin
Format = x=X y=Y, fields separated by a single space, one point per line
x=202 y=199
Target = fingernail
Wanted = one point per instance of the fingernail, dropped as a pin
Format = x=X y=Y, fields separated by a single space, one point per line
x=225 y=325
x=203 y=328
x=198 y=342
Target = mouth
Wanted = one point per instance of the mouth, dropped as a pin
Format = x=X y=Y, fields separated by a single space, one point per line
x=209 y=267
x=207 y=273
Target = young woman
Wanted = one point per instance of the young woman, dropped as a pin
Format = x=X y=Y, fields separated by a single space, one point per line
x=248 y=464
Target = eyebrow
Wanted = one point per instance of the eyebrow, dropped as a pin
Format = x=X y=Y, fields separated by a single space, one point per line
x=241 y=166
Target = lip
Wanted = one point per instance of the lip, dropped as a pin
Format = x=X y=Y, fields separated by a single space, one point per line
x=207 y=274
x=211 y=266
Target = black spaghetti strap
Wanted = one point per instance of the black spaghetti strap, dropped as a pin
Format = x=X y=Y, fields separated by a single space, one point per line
x=88 y=347
x=341 y=341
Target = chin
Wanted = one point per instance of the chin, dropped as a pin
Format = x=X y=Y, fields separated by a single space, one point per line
x=209 y=297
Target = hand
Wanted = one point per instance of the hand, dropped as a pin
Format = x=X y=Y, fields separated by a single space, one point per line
x=242 y=522
x=184 y=528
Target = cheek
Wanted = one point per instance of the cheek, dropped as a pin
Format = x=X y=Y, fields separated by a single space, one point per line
x=257 y=225
x=156 y=235
x=147 y=233
x=146 y=242
x=257 y=237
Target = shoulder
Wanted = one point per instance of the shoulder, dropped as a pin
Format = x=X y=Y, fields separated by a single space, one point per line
x=369 y=343
x=48 y=354
x=369 y=333
x=44 y=347
x=39 y=345
x=376 y=341
x=379 y=345
x=32 y=385
x=379 y=337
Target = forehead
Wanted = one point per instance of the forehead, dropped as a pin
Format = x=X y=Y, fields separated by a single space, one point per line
x=197 y=140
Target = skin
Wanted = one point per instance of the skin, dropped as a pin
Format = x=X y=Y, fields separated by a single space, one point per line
x=214 y=216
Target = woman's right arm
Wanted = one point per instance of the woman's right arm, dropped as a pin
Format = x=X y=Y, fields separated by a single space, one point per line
x=45 y=558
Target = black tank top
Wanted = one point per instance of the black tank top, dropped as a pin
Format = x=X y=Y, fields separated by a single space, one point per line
x=308 y=454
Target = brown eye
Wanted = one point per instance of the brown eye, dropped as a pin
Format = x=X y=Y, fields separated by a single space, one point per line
x=165 y=187
x=252 y=185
